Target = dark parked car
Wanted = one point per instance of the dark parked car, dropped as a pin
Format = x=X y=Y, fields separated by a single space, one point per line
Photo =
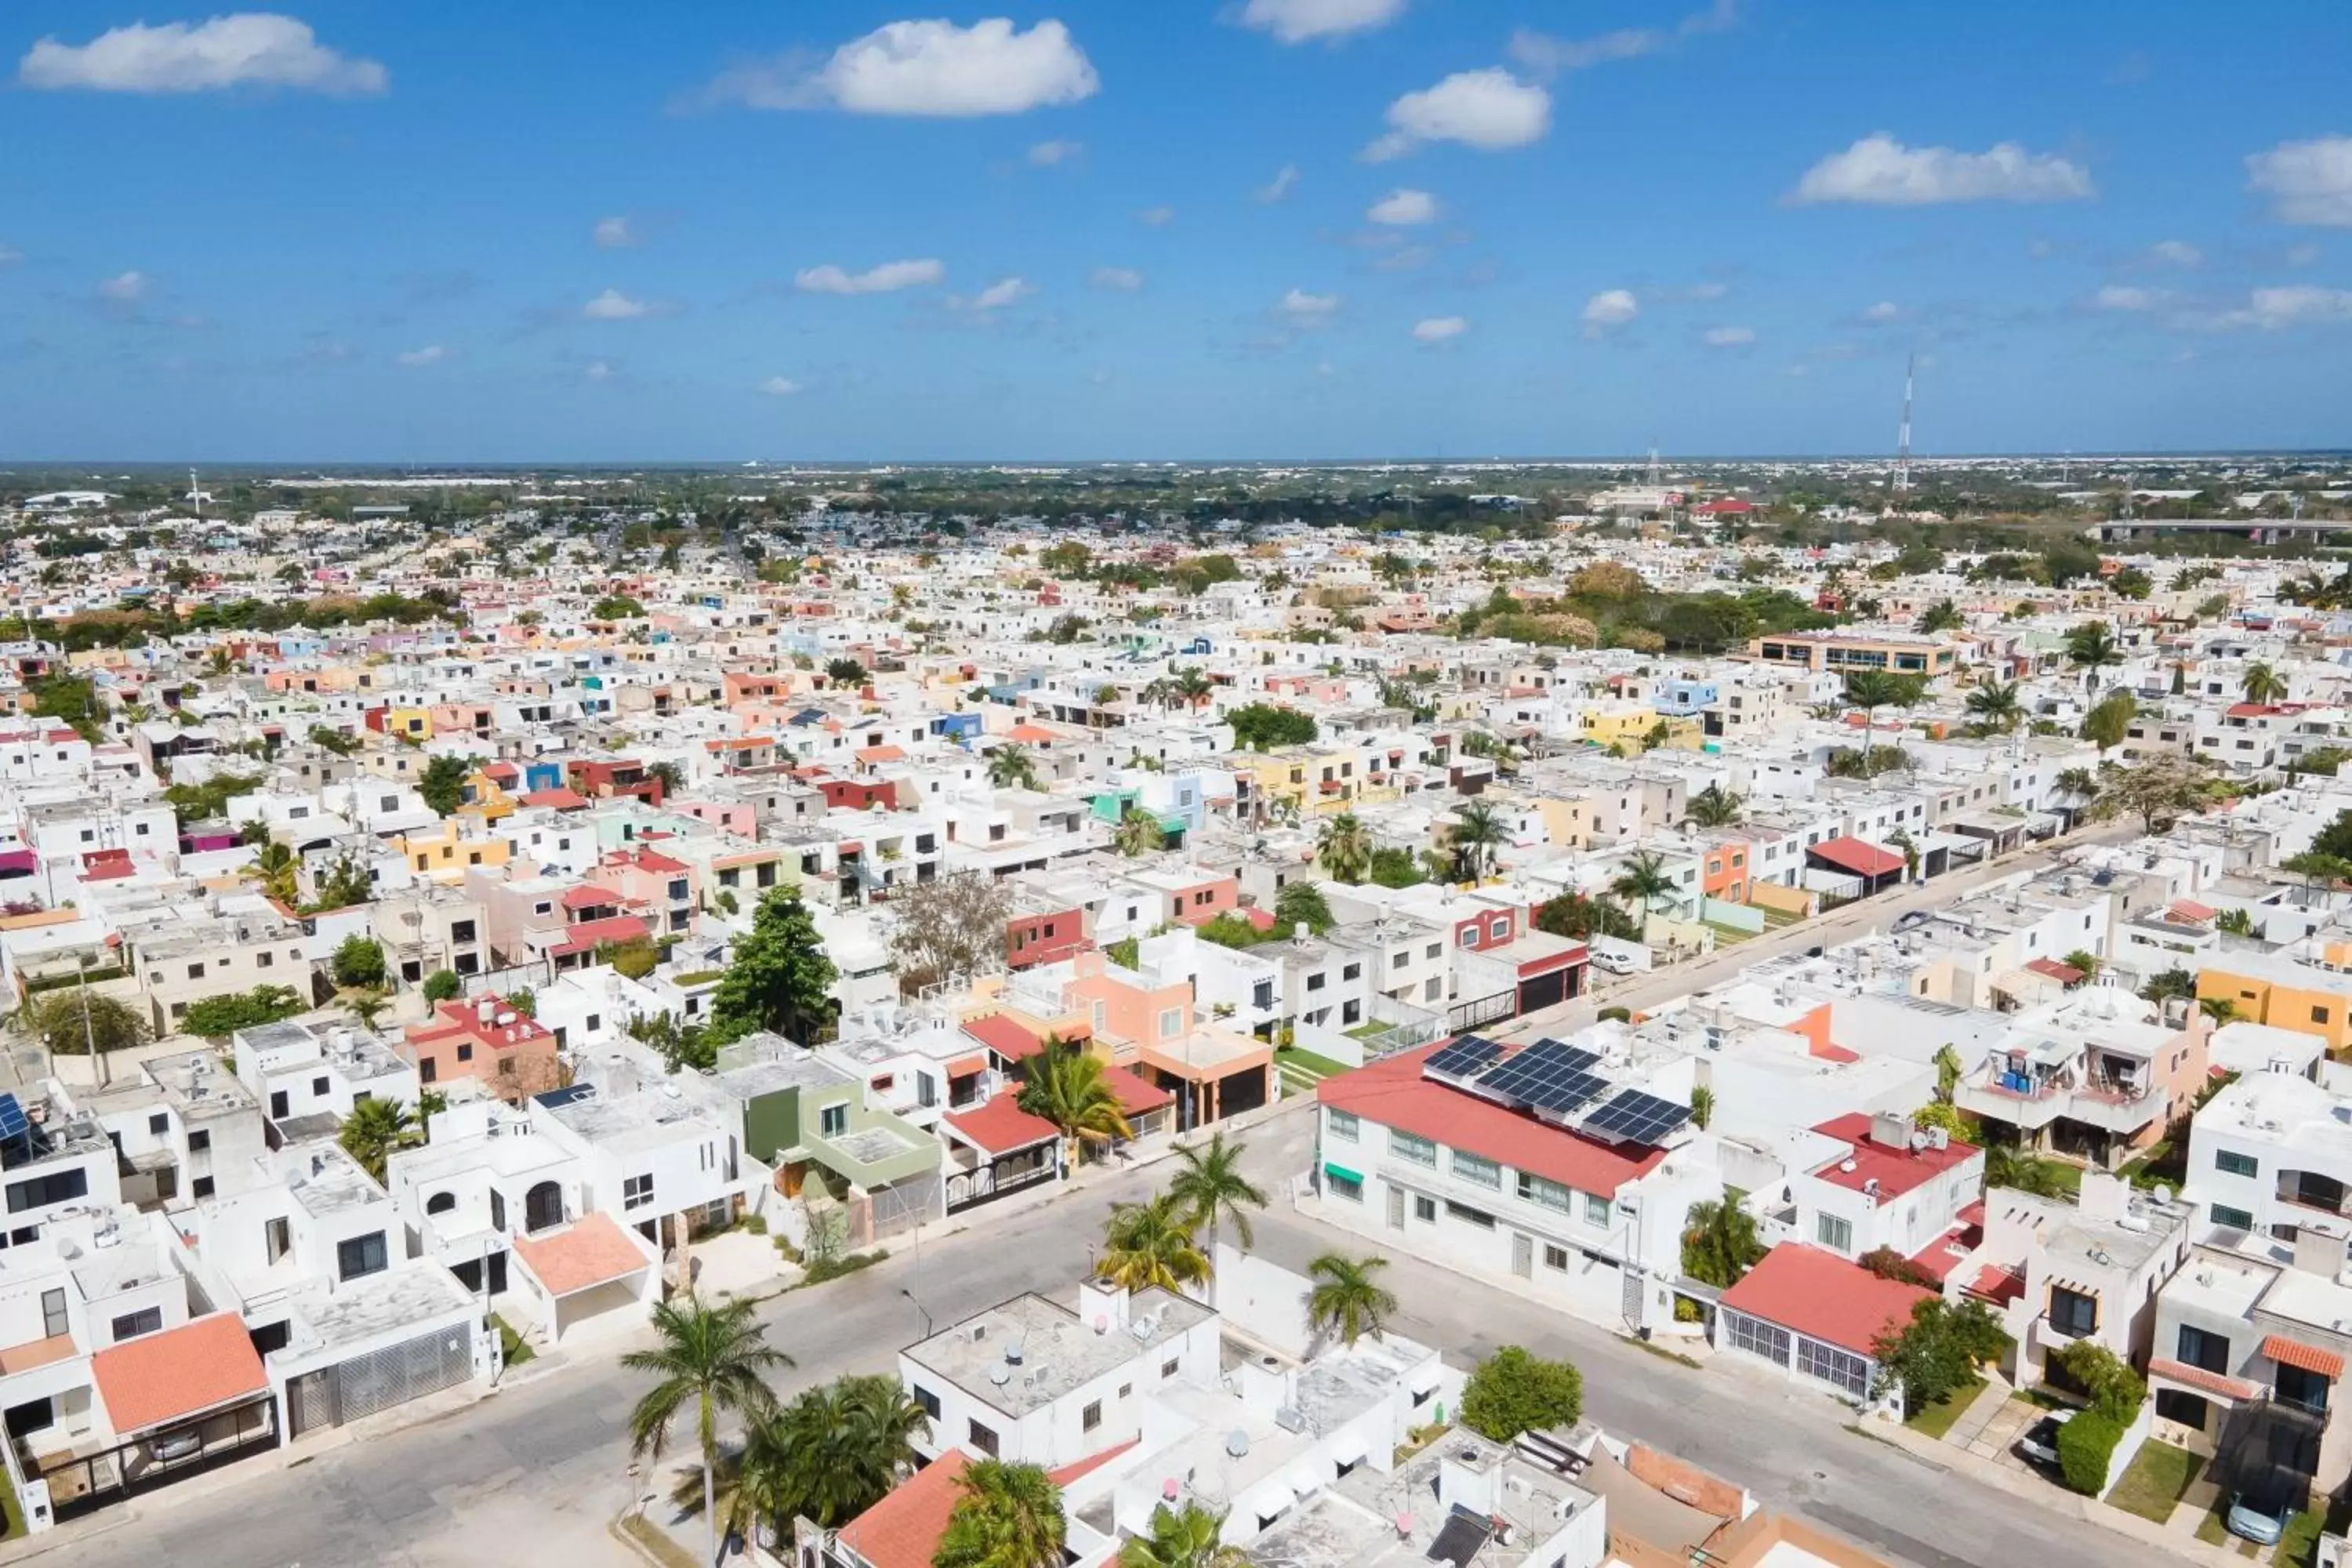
x=2040 y=1443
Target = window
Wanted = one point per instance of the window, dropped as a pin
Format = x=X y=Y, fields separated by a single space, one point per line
x=264 y=960
x=1171 y=1022
x=1596 y=1209
x=202 y=1187
x=636 y=1191
x=1832 y=1365
x=833 y=1121
x=1834 y=1233
x=1261 y=995
x=39 y=1192
x=2202 y=1349
x=1757 y=1338
x=53 y=1314
x=1091 y=1416
x=196 y=971
x=159 y=1124
x=1424 y=1209
x=361 y=1256
x=2221 y=1215
x=1467 y=1215
x=1172 y=1366
x=131 y=1325
x=1470 y=937
x=1500 y=931
x=465 y=1050
x=199 y=1140
x=1477 y=1168
x=2319 y=1014
x=1315 y=982
x=2230 y=1162
x=1556 y=1257
x=2304 y=1390
x=1550 y=1194
x=1342 y=1124
x=983 y=1437
x=1413 y=1148
x=1346 y=1188
x=1352 y=971
x=2072 y=1312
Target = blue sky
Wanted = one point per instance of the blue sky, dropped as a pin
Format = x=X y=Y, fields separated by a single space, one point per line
x=412 y=230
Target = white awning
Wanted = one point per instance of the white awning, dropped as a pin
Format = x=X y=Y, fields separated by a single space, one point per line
x=1352 y=1449
x=1425 y=1377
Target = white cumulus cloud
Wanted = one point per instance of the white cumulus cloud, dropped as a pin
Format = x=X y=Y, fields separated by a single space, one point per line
x=1157 y=218
x=253 y=49
x=10 y=254
x=1301 y=21
x=1729 y=337
x=1003 y=292
x=1610 y=309
x=1048 y=154
x=780 y=387
x=930 y=68
x=1439 y=329
x=1403 y=207
x=1301 y=305
x=885 y=279
x=2307 y=181
x=1125 y=279
x=2296 y=305
x=612 y=305
x=125 y=287
x=598 y=371
x=1490 y=109
x=1884 y=312
x=1879 y=171
x=432 y=354
x=615 y=233
x=1284 y=181
x=2128 y=296
x=2176 y=253
x=1545 y=55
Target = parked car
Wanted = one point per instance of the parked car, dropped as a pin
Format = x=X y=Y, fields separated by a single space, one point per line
x=184 y=1444
x=2259 y=1513
x=1911 y=920
x=2040 y=1443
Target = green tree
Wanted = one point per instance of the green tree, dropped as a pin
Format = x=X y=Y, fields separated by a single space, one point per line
x=1149 y=1245
x=1702 y=1106
x=1937 y=1350
x=1943 y=616
x=633 y=959
x=443 y=986
x=2168 y=984
x=1261 y=726
x=1211 y=1188
x=1302 y=903
x=844 y=672
x=359 y=963
x=1995 y=707
x=2091 y=646
x=217 y=1018
x=2263 y=684
x=1065 y=1085
x=1514 y=1391
x=373 y=1129
x=1008 y=1516
x=1715 y=806
x=839 y=1448
x=69 y=1022
x=442 y=785
x=1186 y=1536
x=1720 y=1242
x=2109 y=724
x=1474 y=837
x=1644 y=882
x=616 y=607
x=2218 y=1010
x=1009 y=766
x=1345 y=848
x=1345 y=1297
x=2159 y=792
x=710 y=1361
x=276 y=866
x=781 y=979
x=1139 y=833
x=1575 y=915
x=2131 y=583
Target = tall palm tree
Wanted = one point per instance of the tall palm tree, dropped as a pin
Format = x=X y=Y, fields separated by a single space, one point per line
x=1346 y=1297
x=1184 y=1537
x=1211 y=1188
x=1137 y=833
x=375 y=1128
x=276 y=864
x=749 y=1484
x=712 y=1360
x=1009 y=766
x=1160 y=692
x=1065 y=1085
x=1009 y=1516
x=2080 y=783
x=2089 y=646
x=1193 y=685
x=1871 y=690
x=1151 y=1244
x=2220 y=1009
x=1995 y=705
x=839 y=1448
x=1720 y=1243
x=1476 y=832
x=1715 y=806
x=1345 y=848
x=1943 y=616
x=1702 y=1106
x=2265 y=684
x=1644 y=883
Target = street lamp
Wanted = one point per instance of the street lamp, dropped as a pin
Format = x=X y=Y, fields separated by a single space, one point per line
x=920 y=1308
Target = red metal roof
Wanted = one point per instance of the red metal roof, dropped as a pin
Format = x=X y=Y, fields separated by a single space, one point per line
x=559 y=797
x=1822 y=1297
x=584 y=936
x=1995 y=1283
x=589 y=898
x=2198 y=1378
x=1856 y=856
x=2327 y=1363
x=2050 y=969
x=159 y=1378
x=1896 y=1171
x=1136 y=1095
x=1000 y=1126
x=1393 y=1092
x=1008 y=1039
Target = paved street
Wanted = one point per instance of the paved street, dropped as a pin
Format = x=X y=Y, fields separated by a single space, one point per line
x=535 y=1473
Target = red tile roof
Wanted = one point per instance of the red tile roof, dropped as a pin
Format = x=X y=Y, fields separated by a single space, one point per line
x=1997 y=1285
x=1136 y=1094
x=903 y=1530
x=1077 y=1467
x=2327 y=1363
x=589 y=898
x=559 y=797
x=1822 y=1297
x=1008 y=1039
x=584 y=937
x=1393 y=1092
x=1000 y=1126
x=1896 y=1171
x=2050 y=969
x=158 y=1378
x=2198 y=1378
x=1862 y=860
x=590 y=1251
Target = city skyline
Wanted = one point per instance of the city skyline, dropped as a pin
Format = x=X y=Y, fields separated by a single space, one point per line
x=1359 y=230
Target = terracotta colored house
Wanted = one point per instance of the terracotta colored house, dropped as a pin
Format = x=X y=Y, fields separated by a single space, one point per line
x=482 y=1038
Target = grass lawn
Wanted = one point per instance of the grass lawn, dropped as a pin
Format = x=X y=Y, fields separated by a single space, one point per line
x=512 y=1346
x=1306 y=1063
x=2300 y=1539
x=1934 y=1420
x=1730 y=933
x=657 y=1541
x=2043 y=1399
x=2159 y=1476
x=2213 y=1531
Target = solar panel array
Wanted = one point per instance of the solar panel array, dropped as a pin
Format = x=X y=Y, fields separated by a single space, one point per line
x=13 y=1124
x=1464 y=1058
x=1634 y=1117
x=1548 y=1075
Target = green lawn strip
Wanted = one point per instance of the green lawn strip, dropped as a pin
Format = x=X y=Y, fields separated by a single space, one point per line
x=2157 y=1479
x=1934 y=1420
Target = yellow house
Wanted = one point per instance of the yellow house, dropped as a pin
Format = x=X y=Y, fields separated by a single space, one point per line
x=2308 y=998
x=1568 y=823
x=1276 y=777
x=484 y=802
x=443 y=857
x=1625 y=725
x=416 y=723
x=1684 y=733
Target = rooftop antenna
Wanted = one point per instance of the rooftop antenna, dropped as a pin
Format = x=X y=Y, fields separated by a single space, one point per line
x=1903 y=438
x=196 y=496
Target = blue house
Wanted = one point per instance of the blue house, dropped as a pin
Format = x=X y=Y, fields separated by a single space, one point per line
x=1680 y=698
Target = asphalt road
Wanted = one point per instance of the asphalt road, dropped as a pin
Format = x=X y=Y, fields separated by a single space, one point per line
x=535 y=1473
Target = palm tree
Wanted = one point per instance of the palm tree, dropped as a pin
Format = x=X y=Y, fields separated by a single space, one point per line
x=2237 y=923
x=1645 y=883
x=1995 y=705
x=373 y=1130
x=838 y=1449
x=1909 y=847
x=1192 y=686
x=276 y=864
x=1212 y=1188
x=1065 y=1086
x=2080 y=783
x=1478 y=831
x=1137 y=833
x=1720 y=1243
x=1948 y=1072
x=1345 y=848
x=2089 y=647
x=713 y=1359
x=1715 y=806
x=1160 y=692
x=1348 y=1298
x=2263 y=684
x=1185 y=1537
x=748 y=1485
x=1009 y=766
x=1871 y=690
x=2220 y=1009
x=1009 y=1516
x=1151 y=1244
x=1943 y=616
x=1702 y=1106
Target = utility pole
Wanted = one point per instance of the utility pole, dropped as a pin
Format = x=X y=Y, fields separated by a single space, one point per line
x=1902 y=436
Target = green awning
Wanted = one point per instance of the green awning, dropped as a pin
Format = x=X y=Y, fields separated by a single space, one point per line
x=1341 y=1172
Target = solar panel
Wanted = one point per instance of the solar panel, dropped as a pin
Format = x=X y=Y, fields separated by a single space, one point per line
x=1548 y=1075
x=11 y=1119
x=1461 y=1538
x=1634 y=1117
x=1464 y=1058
